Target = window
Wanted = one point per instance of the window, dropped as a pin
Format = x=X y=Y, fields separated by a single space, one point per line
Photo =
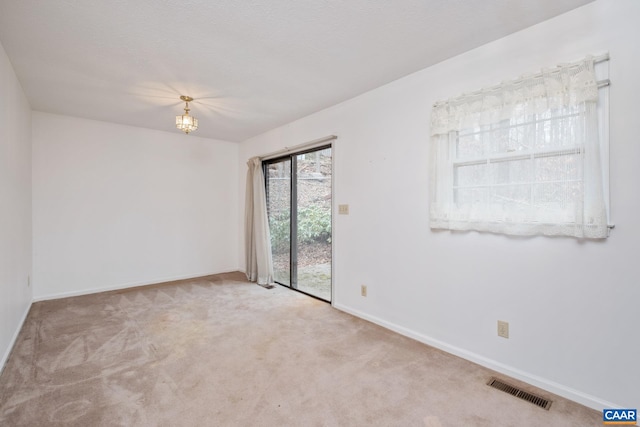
x=522 y=158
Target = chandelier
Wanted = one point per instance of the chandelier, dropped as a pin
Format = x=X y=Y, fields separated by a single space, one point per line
x=185 y=122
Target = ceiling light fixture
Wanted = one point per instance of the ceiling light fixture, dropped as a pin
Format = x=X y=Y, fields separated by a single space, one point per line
x=185 y=122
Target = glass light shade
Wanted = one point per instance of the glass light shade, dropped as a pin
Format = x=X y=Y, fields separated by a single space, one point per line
x=186 y=123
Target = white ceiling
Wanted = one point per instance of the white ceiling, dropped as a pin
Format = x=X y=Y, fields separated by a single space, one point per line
x=252 y=65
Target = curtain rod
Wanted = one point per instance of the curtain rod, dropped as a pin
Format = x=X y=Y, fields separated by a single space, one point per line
x=299 y=147
x=596 y=60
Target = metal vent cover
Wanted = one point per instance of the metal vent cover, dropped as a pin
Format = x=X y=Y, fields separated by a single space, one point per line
x=520 y=394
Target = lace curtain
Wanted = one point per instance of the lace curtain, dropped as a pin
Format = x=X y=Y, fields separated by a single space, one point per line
x=521 y=158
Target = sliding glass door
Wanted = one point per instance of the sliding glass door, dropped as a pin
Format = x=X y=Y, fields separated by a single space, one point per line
x=299 y=208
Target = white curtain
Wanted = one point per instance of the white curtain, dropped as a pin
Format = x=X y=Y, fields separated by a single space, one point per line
x=521 y=158
x=259 y=265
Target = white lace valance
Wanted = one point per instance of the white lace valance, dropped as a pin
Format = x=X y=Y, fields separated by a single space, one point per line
x=564 y=86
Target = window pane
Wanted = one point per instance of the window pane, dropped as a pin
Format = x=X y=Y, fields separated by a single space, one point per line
x=466 y=198
x=558 y=128
x=511 y=171
x=469 y=146
x=471 y=175
x=520 y=138
x=558 y=167
x=512 y=199
x=557 y=195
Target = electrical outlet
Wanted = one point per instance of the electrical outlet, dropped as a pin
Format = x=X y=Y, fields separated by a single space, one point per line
x=503 y=329
x=363 y=290
x=343 y=209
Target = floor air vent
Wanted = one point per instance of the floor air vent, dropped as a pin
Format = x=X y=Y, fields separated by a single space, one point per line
x=520 y=394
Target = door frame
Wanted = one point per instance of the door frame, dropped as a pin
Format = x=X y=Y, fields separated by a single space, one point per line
x=293 y=232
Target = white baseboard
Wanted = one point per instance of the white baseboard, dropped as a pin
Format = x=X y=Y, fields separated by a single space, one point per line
x=12 y=343
x=122 y=286
x=542 y=383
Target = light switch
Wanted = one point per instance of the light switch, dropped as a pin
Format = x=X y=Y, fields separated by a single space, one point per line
x=343 y=209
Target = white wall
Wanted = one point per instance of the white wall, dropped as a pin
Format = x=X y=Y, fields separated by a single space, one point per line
x=118 y=206
x=572 y=305
x=15 y=206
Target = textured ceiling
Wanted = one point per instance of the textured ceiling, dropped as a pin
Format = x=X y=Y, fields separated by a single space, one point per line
x=252 y=65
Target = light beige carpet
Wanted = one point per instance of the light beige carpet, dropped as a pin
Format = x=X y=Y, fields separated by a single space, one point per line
x=219 y=351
